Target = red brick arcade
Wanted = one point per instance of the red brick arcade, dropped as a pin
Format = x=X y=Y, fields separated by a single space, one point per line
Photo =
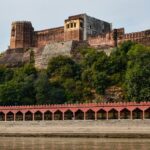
x=90 y=111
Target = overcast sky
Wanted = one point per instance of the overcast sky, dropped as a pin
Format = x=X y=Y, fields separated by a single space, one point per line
x=134 y=15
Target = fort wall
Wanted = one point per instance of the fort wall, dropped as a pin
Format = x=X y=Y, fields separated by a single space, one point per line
x=142 y=37
x=43 y=37
x=118 y=36
x=78 y=28
x=102 y=41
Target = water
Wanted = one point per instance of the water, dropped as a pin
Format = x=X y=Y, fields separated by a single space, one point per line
x=73 y=144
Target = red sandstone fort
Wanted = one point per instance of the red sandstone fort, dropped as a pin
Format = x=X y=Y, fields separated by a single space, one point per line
x=80 y=27
x=78 y=31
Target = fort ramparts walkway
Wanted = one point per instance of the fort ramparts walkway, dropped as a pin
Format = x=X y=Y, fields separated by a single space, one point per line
x=90 y=111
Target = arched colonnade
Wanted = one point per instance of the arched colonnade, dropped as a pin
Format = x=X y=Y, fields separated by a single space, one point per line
x=74 y=112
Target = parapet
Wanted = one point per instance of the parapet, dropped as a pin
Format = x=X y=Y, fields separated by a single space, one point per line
x=21 y=22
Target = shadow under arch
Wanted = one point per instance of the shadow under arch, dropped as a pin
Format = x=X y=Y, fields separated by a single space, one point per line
x=58 y=115
x=68 y=115
x=137 y=114
x=48 y=115
x=38 y=116
x=113 y=114
x=2 y=116
x=10 y=116
x=28 y=116
x=79 y=115
x=19 y=116
x=147 y=113
x=101 y=114
x=90 y=115
x=125 y=114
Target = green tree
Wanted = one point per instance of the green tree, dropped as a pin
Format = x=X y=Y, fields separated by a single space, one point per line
x=42 y=88
x=73 y=90
x=137 y=79
x=63 y=66
x=17 y=93
x=6 y=74
x=100 y=82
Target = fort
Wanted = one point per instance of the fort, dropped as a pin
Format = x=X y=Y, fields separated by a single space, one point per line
x=78 y=120
x=95 y=32
x=78 y=31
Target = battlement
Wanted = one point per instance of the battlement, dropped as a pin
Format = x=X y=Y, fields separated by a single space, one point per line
x=21 y=22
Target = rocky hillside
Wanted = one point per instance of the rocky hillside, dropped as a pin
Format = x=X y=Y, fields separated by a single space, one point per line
x=41 y=56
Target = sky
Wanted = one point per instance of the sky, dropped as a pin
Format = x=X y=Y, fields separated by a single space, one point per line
x=134 y=15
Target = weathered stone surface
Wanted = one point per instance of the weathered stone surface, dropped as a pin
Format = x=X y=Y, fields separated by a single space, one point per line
x=41 y=38
x=21 y=35
x=14 y=58
x=43 y=55
x=81 y=128
x=118 y=36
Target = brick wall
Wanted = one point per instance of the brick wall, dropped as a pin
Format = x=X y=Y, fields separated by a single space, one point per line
x=41 y=38
x=117 y=36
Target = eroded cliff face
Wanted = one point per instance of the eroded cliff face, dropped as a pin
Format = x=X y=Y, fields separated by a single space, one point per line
x=14 y=57
x=42 y=55
x=18 y=57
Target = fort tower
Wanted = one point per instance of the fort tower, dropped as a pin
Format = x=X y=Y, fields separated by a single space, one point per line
x=21 y=34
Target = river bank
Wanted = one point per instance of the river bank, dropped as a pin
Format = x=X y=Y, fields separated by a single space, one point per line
x=84 y=129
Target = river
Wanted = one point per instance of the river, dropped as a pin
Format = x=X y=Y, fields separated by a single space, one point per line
x=10 y=143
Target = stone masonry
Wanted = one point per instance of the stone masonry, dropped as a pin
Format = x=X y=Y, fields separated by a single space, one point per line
x=95 y=32
x=78 y=28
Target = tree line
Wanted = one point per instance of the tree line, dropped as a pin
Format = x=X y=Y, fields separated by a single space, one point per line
x=71 y=80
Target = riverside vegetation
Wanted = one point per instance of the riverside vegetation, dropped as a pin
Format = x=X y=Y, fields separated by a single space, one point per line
x=71 y=80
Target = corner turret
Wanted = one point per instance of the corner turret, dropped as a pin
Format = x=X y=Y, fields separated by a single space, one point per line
x=21 y=34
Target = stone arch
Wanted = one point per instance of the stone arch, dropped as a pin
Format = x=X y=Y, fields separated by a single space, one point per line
x=19 y=116
x=38 y=116
x=125 y=114
x=28 y=116
x=48 y=115
x=2 y=116
x=68 y=115
x=90 y=115
x=10 y=116
x=58 y=115
x=137 y=114
x=101 y=114
x=113 y=114
x=79 y=115
x=147 y=113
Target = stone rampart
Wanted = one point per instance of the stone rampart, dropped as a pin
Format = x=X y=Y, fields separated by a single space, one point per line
x=41 y=38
